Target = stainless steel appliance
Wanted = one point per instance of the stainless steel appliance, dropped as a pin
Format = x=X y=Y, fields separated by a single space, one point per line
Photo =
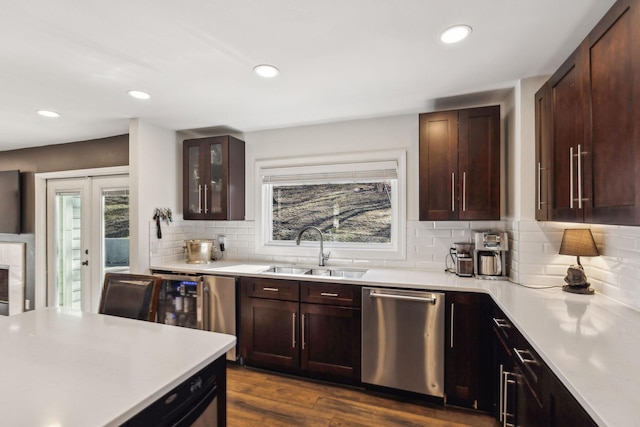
x=200 y=302
x=490 y=260
x=194 y=403
x=461 y=255
x=403 y=340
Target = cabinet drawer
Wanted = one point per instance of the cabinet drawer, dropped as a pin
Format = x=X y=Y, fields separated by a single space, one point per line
x=272 y=289
x=331 y=294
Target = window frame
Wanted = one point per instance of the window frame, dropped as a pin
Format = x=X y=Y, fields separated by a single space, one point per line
x=395 y=250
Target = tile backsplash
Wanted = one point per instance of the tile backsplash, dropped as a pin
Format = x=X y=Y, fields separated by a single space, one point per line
x=533 y=250
x=428 y=242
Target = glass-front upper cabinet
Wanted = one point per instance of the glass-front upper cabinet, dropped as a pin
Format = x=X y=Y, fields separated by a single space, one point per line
x=213 y=178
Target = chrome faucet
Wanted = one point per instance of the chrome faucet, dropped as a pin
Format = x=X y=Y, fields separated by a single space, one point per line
x=322 y=257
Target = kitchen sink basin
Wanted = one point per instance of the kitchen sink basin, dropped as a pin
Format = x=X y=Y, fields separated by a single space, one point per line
x=287 y=270
x=349 y=273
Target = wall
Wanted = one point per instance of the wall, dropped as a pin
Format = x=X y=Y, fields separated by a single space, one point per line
x=428 y=243
x=534 y=246
x=154 y=181
x=104 y=152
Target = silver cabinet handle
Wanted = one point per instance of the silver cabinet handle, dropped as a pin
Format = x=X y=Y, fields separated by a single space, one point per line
x=206 y=205
x=571 y=177
x=453 y=306
x=539 y=185
x=302 y=332
x=464 y=191
x=199 y=198
x=501 y=393
x=328 y=294
x=579 y=177
x=271 y=289
x=431 y=300
x=507 y=381
x=524 y=361
x=501 y=323
x=453 y=191
x=293 y=330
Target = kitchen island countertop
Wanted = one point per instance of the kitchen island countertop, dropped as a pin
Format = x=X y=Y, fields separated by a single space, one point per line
x=590 y=342
x=63 y=367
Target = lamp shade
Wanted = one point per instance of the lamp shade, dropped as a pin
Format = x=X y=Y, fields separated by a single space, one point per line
x=578 y=242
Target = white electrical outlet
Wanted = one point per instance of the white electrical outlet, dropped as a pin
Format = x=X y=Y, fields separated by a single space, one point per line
x=222 y=242
x=27 y=304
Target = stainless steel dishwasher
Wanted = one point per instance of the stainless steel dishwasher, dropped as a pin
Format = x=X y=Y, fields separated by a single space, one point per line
x=403 y=340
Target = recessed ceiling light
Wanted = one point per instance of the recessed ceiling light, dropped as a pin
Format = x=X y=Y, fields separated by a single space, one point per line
x=455 y=34
x=139 y=94
x=47 y=113
x=265 y=70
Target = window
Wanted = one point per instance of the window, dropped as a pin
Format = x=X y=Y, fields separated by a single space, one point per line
x=357 y=201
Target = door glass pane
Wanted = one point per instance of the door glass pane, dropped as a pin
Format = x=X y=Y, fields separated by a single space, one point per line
x=115 y=220
x=69 y=250
x=195 y=204
x=216 y=178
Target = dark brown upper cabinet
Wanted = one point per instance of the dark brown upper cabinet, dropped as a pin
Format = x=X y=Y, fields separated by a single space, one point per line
x=460 y=164
x=213 y=178
x=594 y=133
x=543 y=153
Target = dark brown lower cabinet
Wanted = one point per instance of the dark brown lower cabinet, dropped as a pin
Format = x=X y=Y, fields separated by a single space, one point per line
x=329 y=341
x=466 y=356
x=269 y=331
x=319 y=339
x=525 y=392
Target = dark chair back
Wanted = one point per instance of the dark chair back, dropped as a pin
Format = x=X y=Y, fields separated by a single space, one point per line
x=130 y=295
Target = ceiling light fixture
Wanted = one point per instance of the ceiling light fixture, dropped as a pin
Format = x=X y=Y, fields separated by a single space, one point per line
x=455 y=34
x=265 y=70
x=138 y=94
x=47 y=113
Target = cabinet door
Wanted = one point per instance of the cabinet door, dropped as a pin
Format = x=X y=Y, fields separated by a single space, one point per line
x=612 y=169
x=213 y=178
x=564 y=409
x=215 y=189
x=438 y=174
x=467 y=364
x=567 y=117
x=269 y=334
x=479 y=163
x=543 y=153
x=330 y=342
x=194 y=173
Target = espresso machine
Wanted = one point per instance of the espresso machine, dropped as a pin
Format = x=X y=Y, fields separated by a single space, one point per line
x=490 y=255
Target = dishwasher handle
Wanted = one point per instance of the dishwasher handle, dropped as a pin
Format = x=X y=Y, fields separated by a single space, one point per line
x=430 y=300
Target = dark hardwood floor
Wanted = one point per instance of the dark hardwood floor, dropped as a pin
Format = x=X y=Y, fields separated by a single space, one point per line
x=257 y=398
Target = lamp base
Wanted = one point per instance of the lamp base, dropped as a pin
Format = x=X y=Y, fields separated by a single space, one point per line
x=585 y=289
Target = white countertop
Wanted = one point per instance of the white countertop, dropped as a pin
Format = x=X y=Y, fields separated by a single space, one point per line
x=592 y=343
x=66 y=368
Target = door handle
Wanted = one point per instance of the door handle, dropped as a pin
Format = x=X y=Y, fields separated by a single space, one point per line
x=453 y=191
x=206 y=205
x=464 y=191
x=199 y=198
x=302 y=331
x=293 y=330
x=453 y=306
x=85 y=262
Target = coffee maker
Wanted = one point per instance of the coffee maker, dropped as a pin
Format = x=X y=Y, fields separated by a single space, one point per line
x=490 y=255
x=461 y=255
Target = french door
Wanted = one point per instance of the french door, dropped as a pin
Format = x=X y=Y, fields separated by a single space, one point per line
x=87 y=235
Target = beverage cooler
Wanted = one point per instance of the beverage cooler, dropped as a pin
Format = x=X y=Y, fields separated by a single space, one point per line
x=199 y=302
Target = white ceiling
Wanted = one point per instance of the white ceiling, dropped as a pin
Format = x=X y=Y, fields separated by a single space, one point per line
x=339 y=59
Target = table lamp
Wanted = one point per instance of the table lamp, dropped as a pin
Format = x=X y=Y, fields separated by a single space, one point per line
x=578 y=242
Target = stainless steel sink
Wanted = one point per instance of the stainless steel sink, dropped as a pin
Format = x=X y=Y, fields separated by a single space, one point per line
x=349 y=273
x=287 y=270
